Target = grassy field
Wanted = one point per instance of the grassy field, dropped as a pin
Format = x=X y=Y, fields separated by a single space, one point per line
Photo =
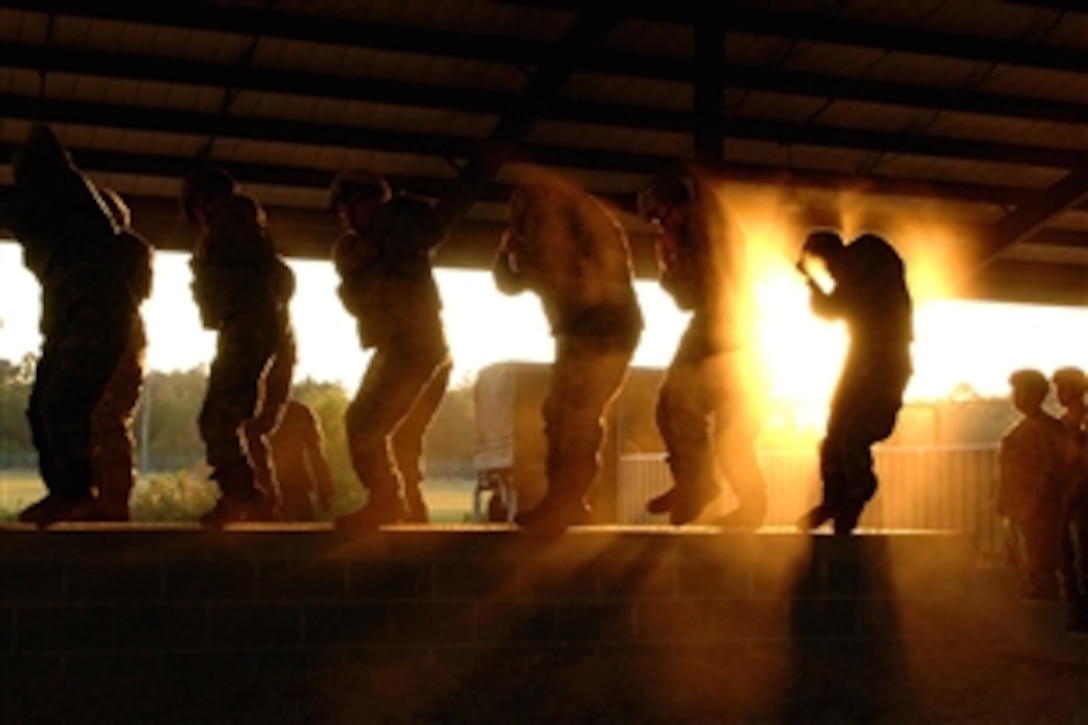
x=184 y=495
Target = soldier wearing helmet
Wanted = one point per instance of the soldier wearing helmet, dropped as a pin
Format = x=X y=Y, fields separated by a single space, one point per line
x=68 y=241
x=242 y=288
x=1070 y=385
x=1029 y=487
x=111 y=420
x=383 y=257
x=870 y=295
x=707 y=412
x=566 y=247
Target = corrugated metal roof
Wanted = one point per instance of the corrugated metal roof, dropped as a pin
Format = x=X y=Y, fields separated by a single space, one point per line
x=971 y=114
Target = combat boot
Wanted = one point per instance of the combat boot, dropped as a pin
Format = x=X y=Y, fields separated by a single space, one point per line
x=554 y=515
x=103 y=510
x=814 y=519
x=689 y=502
x=381 y=509
x=742 y=518
x=54 y=508
x=233 y=511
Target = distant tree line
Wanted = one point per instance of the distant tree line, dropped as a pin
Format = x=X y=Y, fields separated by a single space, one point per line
x=168 y=439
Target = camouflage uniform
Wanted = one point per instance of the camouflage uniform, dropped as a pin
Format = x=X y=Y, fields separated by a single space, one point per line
x=68 y=243
x=871 y=296
x=1069 y=387
x=1029 y=495
x=298 y=452
x=706 y=409
x=566 y=247
x=111 y=422
x=388 y=286
x=243 y=288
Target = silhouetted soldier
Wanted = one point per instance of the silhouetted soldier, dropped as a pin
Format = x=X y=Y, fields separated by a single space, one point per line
x=565 y=246
x=302 y=469
x=68 y=240
x=1070 y=385
x=243 y=289
x=870 y=295
x=706 y=413
x=383 y=257
x=112 y=440
x=1029 y=490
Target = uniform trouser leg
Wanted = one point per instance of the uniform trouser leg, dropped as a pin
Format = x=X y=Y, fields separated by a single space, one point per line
x=39 y=431
x=586 y=378
x=273 y=392
x=683 y=420
x=393 y=382
x=111 y=424
x=234 y=389
x=82 y=360
x=1042 y=548
x=863 y=411
x=739 y=463
x=1078 y=558
x=408 y=437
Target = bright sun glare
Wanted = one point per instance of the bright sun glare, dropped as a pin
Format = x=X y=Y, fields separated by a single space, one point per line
x=956 y=342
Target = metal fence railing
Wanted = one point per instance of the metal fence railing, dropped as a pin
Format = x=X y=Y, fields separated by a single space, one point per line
x=928 y=488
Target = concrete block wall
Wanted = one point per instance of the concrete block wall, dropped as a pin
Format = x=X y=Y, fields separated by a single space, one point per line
x=169 y=600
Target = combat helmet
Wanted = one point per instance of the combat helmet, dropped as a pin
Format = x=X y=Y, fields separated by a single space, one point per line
x=822 y=243
x=358 y=184
x=203 y=183
x=666 y=190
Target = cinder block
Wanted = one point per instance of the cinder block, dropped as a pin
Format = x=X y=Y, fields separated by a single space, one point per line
x=476 y=578
x=725 y=578
x=823 y=619
x=415 y=623
x=31 y=582
x=63 y=628
x=113 y=582
x=162 y=627
x=305 y=580
x=499 y=622
x=611 y=621
x=255 y=626
x=112 y=664
x=397 y=578
x=557 y=578
x=677 y=620
x=210 y=580
x=346 y=624
x=637 y=577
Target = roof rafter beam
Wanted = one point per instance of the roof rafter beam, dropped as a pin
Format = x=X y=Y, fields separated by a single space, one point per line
x=273 y=130
x=1034 y=211
x=35 y=57
x=822 y=27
